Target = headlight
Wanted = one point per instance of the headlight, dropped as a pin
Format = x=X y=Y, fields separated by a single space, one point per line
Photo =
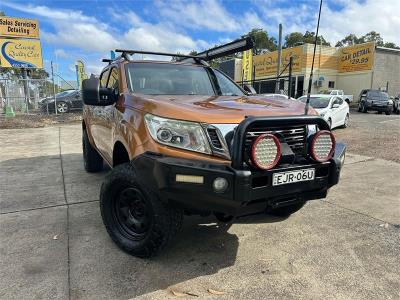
x=180 y=134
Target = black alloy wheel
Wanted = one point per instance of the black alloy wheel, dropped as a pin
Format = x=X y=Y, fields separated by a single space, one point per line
x=132 y=214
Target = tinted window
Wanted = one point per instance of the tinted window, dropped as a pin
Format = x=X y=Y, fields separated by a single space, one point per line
x=377 y=95
x=175 y=79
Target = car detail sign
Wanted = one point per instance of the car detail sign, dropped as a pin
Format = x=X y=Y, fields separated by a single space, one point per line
x=356 y=58
x=19 y=53
x=17 y=27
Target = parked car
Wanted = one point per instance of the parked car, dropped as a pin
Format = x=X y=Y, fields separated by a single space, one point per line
x=183 y=138
x=332 y=108
x=276 y=96
x=340 y=93
x=375 y=100
x=66 y=101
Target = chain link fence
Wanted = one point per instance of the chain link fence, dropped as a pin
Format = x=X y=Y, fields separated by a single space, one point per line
x=24 y=95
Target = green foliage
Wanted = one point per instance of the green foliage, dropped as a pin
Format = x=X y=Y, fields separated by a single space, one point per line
x=372 y=36
x=297 y=38
x=262 y=41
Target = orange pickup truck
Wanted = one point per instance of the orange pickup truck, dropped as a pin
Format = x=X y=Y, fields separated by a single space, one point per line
x=183 y=138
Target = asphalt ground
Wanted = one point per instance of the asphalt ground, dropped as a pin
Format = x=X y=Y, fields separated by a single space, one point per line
x=53 y=244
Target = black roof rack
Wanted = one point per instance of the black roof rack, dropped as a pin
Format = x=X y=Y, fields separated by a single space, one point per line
x=219 y=51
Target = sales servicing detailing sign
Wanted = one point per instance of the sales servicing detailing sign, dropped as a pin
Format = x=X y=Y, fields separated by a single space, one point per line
x=17 y=27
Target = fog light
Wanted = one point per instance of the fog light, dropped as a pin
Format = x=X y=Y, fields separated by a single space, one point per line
x=323 y=146
x=189 y=178
x=220 y=185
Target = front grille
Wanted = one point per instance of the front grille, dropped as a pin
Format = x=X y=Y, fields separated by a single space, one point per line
x=295 y=136
x=212 y=133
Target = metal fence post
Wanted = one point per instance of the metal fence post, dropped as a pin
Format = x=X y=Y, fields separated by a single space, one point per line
x=290 y=77
x=54 y=88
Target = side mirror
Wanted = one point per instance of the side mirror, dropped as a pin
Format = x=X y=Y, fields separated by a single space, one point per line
x=249 y=90
x=335 y=105
x=93 y=94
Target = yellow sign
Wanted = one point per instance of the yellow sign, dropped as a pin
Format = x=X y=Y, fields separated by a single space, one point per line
x=266 y=64
x=247 y=65
x=16 y=27
x=80 y=73
x=356 y=58
x=16 y=53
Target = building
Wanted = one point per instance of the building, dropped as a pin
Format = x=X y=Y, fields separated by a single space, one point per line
x=353 y=68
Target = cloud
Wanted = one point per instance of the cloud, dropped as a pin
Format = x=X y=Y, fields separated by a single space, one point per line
x=205 y=14
x=362 y=17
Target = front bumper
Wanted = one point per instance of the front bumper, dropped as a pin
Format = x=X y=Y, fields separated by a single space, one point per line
x=376 y=106
x=248 y=192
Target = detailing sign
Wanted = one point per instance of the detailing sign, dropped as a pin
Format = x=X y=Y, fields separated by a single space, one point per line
x=356 y=58
x=16 y=27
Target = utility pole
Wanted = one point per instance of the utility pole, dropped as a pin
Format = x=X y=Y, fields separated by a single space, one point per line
x=54 y=88
x=279 y=62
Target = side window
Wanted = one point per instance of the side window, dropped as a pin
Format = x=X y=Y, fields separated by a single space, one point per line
x=113 y=81
x=104 y=77
x=340 y=101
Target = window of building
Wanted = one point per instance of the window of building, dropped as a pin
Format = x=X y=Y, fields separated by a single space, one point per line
x=331 y=84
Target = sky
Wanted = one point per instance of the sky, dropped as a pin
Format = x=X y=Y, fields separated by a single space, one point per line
x=89 y=29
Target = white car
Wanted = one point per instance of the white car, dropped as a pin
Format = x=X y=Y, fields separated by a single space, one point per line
x=275 y=96
x=332 y=108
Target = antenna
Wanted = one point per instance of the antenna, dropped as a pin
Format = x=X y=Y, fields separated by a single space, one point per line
x=312 y=66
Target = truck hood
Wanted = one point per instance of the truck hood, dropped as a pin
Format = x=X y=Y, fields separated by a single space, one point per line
x=216 y=109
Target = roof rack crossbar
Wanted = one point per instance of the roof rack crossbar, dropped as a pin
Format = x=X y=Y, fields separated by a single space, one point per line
x=156 y=53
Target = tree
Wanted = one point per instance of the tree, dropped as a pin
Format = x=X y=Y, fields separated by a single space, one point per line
x=371 y=36
x=262 y=41
x=297 y=38
x=349 y=40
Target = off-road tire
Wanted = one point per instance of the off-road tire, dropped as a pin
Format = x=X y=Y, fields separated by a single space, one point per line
x=286 y=211
x=163 y=221
x=223 y=218
x=92 y=161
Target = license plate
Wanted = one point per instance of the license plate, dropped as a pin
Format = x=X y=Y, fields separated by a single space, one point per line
x=293 y=176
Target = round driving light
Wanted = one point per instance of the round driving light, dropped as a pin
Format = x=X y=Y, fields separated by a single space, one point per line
x=323 y=145
x=164 y=135
x=266 y=151
x=220 y=185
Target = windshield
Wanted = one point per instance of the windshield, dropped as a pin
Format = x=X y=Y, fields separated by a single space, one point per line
x=174 y=79
x=378 y=95
x=316 y=102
